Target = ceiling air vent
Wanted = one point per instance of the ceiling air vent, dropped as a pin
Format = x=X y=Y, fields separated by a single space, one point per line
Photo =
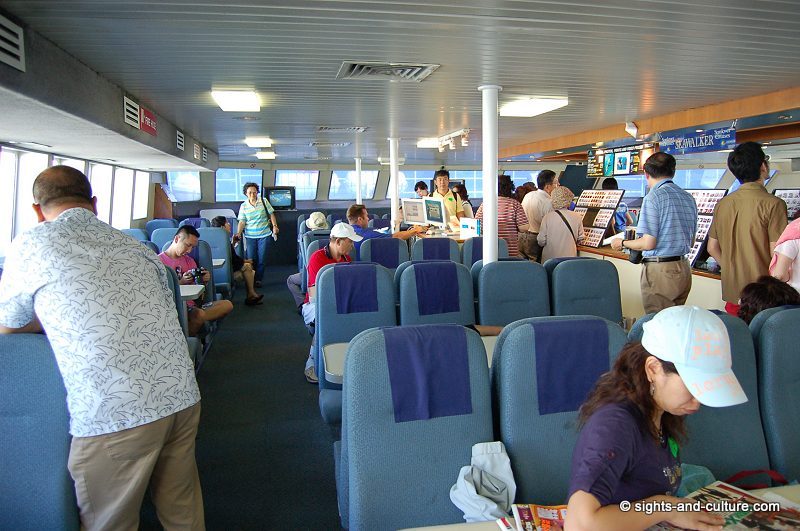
x=205 y=154
x=334 y=129
x=321 y=143
x=12 y=45
x=131 y=112
x=179 y=141
x=389 y=71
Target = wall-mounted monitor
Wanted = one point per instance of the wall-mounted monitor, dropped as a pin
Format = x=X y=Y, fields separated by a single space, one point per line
x=623 y=160
x=280 y=197
x=414 y=212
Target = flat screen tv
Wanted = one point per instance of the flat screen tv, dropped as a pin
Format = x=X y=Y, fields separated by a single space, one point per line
x=280 y=197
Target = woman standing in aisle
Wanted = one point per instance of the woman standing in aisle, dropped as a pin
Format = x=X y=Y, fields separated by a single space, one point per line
x=258 y=225
x=511 y=219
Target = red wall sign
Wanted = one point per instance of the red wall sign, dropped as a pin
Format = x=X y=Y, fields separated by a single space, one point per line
x=147 y=122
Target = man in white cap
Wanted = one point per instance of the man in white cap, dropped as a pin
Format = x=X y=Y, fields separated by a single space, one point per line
x=315 y=221
x=341 y=244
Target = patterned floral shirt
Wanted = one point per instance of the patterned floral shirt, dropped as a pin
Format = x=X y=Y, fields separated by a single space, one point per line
x=104 y=302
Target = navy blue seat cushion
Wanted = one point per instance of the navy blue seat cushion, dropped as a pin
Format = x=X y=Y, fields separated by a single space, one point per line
x=436 y=249
x=570 y=357
x=356 y=288
x=437 y=288
x=428 y=372
x=385 y=251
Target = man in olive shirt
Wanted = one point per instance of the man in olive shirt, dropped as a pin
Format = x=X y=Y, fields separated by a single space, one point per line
x=454 y=207
x=746 y=225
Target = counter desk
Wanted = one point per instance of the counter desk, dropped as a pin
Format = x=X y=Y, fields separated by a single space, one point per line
x=706 y=288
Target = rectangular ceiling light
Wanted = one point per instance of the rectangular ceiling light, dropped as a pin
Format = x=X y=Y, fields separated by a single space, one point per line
x=532 y=106
x=265 y=155
x=428 y=143
x=258 y=141
x=237 y=100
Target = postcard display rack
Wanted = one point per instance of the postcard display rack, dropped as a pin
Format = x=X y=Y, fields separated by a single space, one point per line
x=706 y=201
x=792 y=198
x=597 y=208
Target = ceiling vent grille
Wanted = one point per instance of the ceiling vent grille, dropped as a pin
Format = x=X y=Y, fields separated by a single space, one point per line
x=388 y=71
x=131 y=112
x=12 y=45
x=180 y=141
x=321 y=143
x=334 y=129
x=205 y=154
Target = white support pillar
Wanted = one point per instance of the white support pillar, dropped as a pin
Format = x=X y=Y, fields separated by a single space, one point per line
x=394 y=169
x=489 y=143
x=358 y=181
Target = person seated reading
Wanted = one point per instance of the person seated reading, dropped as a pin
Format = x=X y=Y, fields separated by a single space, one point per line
x=177 y=257
x=633 y=420
x=242 y=269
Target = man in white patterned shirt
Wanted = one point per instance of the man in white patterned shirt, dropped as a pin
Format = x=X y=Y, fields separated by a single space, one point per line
x=103 y=300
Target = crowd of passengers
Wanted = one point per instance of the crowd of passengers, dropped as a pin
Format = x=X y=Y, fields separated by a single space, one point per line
x=103 y=300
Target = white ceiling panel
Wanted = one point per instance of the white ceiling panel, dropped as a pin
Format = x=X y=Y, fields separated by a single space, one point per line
x=617 y=61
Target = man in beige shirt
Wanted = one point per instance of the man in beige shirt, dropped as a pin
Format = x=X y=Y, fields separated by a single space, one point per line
x=453 y=205
x=746 y=225
x=536 y=204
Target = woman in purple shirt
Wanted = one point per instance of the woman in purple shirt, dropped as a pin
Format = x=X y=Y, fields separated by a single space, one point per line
x=627 y=451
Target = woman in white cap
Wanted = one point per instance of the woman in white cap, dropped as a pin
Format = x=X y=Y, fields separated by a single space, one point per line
x=341 y=244
x=315 y=221
x=627 y=451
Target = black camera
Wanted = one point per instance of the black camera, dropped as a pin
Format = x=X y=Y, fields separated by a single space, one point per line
x=197 y=274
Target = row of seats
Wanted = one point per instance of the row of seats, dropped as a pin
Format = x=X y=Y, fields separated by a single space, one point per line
x=401 y=427
x=376 y=221
x=357 y=296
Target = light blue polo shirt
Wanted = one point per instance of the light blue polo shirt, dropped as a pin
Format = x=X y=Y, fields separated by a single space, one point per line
x=669 y=214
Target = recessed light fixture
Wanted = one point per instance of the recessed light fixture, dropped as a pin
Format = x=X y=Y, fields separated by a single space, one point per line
x=785 y=117
x=237 y=100
x=538 y=160
x=258 y=141
x=699 y=130
x=766 y=143
x=559 y=152
x=598 y=144
x=426 y=143
x=247 y=118
x=566 y=160
x=532 y=107
x=266 y=155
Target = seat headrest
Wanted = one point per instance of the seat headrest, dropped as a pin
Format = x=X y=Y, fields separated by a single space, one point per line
x=437 y=288
x=356 y=288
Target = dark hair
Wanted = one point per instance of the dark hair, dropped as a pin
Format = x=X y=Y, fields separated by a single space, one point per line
x=627 y=381
x=462 y=192
x=61 y=184
x=660 y=165
x=505 y=186
x=745 y=161
x=610 y=184
x=766 y=292
x=355 y=212
x=187 y=230
x=544 y=178
x=249 y=185
x=441 y=173
x=523 y=190
x=420 y=186
x=219 y=221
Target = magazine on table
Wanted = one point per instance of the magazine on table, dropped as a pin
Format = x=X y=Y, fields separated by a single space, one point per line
x=532 y=517
x=741 y=509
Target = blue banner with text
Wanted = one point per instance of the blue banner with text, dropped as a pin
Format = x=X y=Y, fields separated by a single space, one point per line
x=683 y=143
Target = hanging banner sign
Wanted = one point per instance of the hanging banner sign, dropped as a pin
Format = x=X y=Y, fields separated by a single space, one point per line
x=694 y=142
x=147 y=121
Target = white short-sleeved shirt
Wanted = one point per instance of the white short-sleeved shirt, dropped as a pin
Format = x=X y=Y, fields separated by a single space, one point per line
x=104 y=302
x=536 y=204
x=791 y=250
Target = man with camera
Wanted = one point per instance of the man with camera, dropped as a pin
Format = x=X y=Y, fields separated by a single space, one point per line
x=177 y=257
x=667 y=224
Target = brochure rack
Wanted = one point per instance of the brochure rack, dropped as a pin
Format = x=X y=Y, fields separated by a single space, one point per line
x=597 y=208
x=792 y=198
x=706 y=201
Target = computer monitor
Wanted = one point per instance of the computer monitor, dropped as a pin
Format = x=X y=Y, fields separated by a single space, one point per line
x=414 y=212
x=435 y=212
x=280 y=197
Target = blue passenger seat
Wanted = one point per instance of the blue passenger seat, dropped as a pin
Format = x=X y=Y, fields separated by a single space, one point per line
x=435 y=249
x=159 y=223
x=163 y=236
x=436 y=292
x=389 y=252
x=472 y=250
x=513 y=290
x=219 y=241
x=586 y=287
x=139 y=234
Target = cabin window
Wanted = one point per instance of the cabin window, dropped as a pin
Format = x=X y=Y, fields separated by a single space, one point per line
x=122 y=199
x=736 y=184
x=8 y=178
x=519 y=177
x=78 y=164
x=101 y=177
x=343 y=185
x=141 y=195
x=304 y=182
x=473 y=180
x=408 y=179
x=184 y=185
x=230 y=181
x=30 y=165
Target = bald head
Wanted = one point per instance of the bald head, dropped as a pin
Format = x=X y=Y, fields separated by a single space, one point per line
x=60 y=186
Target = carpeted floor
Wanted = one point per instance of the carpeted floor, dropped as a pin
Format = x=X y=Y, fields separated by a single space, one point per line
x=265 y=455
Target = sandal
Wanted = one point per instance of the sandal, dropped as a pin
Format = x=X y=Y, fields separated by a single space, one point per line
x=253 y=301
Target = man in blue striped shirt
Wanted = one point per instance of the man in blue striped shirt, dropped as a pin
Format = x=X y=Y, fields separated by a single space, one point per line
x=667 y=225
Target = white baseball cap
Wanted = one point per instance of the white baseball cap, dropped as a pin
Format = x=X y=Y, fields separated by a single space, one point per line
x=316 y=220
x=697 y=343
x=344 y=230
